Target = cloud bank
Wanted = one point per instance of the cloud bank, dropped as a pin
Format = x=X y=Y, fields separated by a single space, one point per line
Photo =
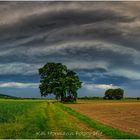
x=99 y=40
x=18 y=85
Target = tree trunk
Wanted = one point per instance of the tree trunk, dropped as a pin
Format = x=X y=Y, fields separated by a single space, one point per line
x=62 y=97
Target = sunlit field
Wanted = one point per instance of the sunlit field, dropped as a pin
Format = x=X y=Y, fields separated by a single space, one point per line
x=51 y=119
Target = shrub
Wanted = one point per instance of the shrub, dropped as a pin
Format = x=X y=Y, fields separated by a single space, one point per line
x=114 y=94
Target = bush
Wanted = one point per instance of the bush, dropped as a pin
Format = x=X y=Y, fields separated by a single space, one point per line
x=114 y=94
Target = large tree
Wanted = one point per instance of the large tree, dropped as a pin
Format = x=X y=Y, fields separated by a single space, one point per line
x=58 y=80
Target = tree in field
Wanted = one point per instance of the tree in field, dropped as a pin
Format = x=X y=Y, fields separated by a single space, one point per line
x=114 y=93
x=58 y=80
x=118 y=93
x=109 y=94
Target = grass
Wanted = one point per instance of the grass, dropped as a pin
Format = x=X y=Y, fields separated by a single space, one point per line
x=37 y=119
x=12 y=114
x=60 y=122
x=10 y=111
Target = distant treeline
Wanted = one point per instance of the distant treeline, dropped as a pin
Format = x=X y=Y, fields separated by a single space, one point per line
x=7 y=96
x=3 y=96
x=89 y=97
x=138 y=98
x=95 y=97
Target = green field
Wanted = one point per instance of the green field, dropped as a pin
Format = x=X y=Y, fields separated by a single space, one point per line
x=50 y=119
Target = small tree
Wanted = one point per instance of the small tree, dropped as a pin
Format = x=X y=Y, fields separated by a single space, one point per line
x=58 y=80
x=114 y=93
x=109 y=94
x=118 y=93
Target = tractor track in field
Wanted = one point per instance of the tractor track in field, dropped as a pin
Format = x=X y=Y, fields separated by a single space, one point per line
x=64 y=123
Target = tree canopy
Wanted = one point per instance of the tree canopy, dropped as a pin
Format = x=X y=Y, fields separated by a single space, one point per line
x=58 y=80
x=114 y=93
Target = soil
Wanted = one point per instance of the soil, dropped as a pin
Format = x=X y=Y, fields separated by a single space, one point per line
x=125 y=116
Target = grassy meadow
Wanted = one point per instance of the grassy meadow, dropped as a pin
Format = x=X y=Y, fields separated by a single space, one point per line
x=51 y=119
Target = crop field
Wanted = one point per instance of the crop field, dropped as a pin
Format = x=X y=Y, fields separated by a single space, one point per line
x=51 y=119
x=124 y=115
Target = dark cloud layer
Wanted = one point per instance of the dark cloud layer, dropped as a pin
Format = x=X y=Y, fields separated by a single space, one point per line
x=99 y=40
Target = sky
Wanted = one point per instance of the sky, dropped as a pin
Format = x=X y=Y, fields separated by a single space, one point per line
x=98 y=40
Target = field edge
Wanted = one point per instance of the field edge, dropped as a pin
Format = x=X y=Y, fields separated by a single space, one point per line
x=107 y=130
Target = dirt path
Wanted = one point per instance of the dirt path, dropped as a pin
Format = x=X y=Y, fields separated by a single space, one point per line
x=50 y=115
x=64 y=125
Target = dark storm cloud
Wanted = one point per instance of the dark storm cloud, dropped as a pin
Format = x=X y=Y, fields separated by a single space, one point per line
x=20 y=78
x=49 y=22
x=99 y=39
